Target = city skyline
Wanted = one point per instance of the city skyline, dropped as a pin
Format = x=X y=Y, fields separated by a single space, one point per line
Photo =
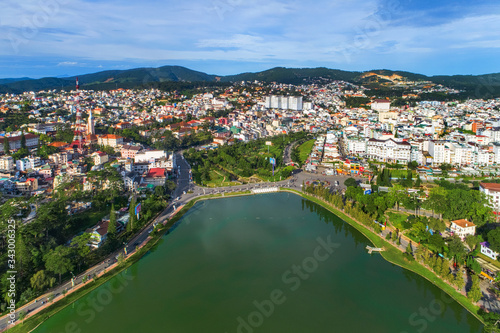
x=66 y=37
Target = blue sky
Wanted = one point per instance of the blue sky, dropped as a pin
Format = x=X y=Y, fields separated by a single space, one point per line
x=70 y=37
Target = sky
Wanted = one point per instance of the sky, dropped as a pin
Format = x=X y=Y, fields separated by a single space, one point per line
x=40 y=38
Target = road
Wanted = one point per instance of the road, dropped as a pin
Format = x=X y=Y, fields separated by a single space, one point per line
x=287 y=152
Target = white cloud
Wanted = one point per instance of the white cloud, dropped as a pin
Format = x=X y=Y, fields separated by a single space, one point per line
x=67 y=63
x=340 y=32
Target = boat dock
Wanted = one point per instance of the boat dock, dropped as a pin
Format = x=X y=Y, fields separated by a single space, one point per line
x=373 y=249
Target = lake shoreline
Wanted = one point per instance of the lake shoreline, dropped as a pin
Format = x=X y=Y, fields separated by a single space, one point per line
x=41 y=317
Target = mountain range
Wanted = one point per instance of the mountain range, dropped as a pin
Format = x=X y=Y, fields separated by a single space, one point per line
x=475 y=86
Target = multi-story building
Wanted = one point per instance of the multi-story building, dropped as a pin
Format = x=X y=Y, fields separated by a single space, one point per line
x=111 y=140
x=35 y=161
x=440 y=151
x=129 y=151
x=149 y=155
x=356 y=146
x=23 y=164
x=100 y=157
x=492 y=191
x=15 y=142
x=284 y=102
x=381 y=105
x=388 y=151
x=6 y=163
x=463 y=228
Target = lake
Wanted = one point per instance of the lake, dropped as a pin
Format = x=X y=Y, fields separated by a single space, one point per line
x=263 y=263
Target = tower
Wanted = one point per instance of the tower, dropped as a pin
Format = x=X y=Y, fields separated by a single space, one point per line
x=79 y=125
x=90 y=126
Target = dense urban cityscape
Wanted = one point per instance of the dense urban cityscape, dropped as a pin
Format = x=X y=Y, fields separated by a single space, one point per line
x=89 y=171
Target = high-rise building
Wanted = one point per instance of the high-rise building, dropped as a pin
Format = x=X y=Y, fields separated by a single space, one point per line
x=284 y=102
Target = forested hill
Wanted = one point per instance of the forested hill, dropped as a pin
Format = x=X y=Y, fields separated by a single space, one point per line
x=472 y=86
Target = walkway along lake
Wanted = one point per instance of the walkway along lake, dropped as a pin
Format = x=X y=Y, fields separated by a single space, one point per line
x=263 y=263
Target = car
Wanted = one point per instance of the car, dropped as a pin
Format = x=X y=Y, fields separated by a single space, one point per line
x=178 y=198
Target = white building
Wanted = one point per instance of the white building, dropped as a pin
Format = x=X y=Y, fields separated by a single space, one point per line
x=35 y=161
x=149 y=155
x=381 y=105
x=388 y=151
x=463 y=228
x=23 y=164
x=100 y=157
x=6 y=163
x=492 y=191
x=284 y=102
x=356 y=146
x=485 y=249
x=440 y=151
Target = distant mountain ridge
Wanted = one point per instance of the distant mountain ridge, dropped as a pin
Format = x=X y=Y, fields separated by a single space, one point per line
x=487 y=85
x=10 y=80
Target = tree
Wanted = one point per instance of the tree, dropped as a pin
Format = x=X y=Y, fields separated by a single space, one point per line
x=409 y=249
x=456 y=249
x=474 y=265
x=397 y=194
x=475 y=293
x=22 y=315
x=6 y=146
x=472 y=241
x=418 y=182
x=112 y=222
x=120 y=258
x=413 y=165
x=459 y=281
x=494 y=239
x=80 y=244
x=437 y=243
x=350 y=182
x=58 y=262
x=39 y=281
x=23 y=140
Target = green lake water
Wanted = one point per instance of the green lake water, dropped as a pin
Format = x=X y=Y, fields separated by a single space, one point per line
x=265 y=263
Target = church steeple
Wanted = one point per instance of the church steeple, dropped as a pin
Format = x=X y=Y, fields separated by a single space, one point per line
x=90 y=126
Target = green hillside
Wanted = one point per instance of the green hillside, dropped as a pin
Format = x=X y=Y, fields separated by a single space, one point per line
x=381 y=82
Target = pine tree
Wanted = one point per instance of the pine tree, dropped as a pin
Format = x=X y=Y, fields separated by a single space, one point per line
x=394 y=236
x=418 y=182
x=23 y=140
x=444 y=268
x=6 y=146
x=112 y=222
x=409 y=249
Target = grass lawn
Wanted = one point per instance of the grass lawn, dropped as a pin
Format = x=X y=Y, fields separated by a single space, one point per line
x=88 y=219
x=398 y=173
x=398 y=220
x=305 y=150
x=488 y=259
